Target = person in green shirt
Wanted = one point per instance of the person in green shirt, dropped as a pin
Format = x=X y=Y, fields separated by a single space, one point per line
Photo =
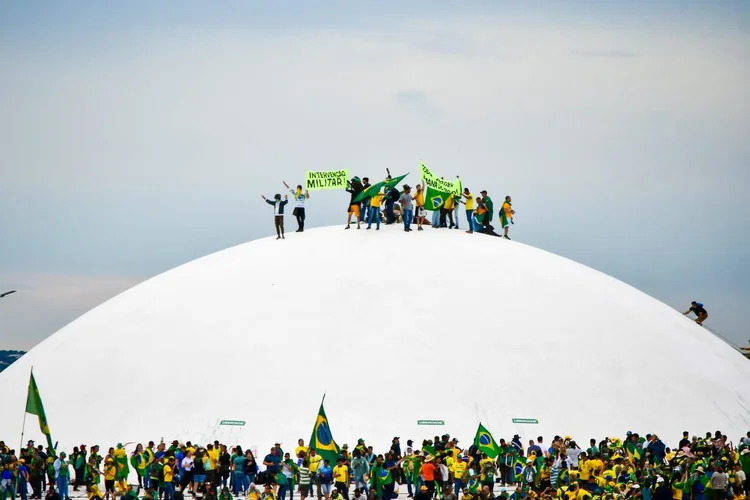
x=283 y=483
x=225 y=494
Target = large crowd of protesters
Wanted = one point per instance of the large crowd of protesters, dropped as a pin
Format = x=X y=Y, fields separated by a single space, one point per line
x=708 y=467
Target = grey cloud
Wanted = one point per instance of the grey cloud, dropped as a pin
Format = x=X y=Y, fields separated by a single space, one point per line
x=418 y=101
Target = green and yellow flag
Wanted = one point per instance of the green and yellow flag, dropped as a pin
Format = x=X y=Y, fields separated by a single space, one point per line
x=35 y=407
x=486 y=443
x=438 y=189
x=370 y=191
x=322 y=439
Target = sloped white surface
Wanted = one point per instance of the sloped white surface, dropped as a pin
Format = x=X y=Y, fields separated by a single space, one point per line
x=396 y=327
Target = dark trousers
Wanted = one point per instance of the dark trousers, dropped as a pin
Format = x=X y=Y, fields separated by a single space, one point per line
x=390 y=217
x=343 y=489
x=443 y=213
x=388 y=491
x=299 y=213
x=278 y=221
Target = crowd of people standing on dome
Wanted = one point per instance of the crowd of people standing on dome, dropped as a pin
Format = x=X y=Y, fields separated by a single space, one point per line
x=389 y=206
x=632 y=468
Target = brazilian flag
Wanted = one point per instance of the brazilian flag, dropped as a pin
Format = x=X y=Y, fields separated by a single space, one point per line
x=322 y=439
x=35 y=407
x=374 y=188
x=434 y=200
x=486 y=443
x=518 y=466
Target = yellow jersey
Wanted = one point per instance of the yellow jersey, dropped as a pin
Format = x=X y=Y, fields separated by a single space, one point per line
x=469 y=201
x=168 y=474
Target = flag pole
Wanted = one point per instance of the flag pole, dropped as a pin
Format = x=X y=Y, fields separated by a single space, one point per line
x=23 y=427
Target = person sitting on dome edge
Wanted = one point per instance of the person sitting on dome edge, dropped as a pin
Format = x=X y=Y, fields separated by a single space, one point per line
x=278 y=213
x=699 y=310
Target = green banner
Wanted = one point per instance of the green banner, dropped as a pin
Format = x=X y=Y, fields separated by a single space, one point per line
x=438 y=190
x=232 y=422
x=439 y=184
x=525 y=421
x=430 y=422
x=334 y=179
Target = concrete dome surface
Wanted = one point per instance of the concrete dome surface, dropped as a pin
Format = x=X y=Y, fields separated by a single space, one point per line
x=409 y=334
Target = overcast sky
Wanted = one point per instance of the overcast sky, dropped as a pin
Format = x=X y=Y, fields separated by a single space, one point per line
x=136 y=136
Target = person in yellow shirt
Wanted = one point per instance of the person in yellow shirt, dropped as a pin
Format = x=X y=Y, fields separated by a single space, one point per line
x=341 y=477
x=169 y=479
x=374 y=215
x=110 y=471
x=506 y=216
x=315 y=462
x=447 y=210
x=469 y=208
x=460 y=467
x=301 y=451
x=419 y=202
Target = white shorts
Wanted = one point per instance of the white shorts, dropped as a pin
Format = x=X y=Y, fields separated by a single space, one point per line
x=420 y=211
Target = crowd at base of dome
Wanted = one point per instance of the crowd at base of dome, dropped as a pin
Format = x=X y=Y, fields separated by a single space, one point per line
x=710 y=468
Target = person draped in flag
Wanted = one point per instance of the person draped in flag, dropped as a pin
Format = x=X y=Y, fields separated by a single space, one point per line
x=353 y=187
x=506 y=216
x=299 y=205
x=699 y=310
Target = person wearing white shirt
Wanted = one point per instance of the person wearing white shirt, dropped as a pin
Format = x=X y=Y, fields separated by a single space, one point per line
x=299 y=205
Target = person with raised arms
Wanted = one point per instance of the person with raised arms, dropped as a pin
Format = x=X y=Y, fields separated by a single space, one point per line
x=299 y=205
x=278 y=213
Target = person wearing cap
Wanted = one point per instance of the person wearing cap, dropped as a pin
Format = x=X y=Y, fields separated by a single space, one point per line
x=22 y=478
x=407 y=207
x=360 y=468
x=110 y=473
x=62 y=475
x=353 y=187
x=169 y=473
x=278 y=213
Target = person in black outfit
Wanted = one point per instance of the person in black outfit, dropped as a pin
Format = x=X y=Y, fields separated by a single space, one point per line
x=354 y=187
x=699 y=310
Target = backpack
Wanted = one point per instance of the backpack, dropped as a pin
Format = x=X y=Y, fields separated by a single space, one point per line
x=699 y=305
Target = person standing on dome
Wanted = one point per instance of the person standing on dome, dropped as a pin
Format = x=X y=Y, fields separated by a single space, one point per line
x=354 y=187
x=419 y=202
x=699 y=310
x=365 y=202
x=278 y=213
x=506 y=216
x=407 y=207
x=299 y=205
x=374 y=211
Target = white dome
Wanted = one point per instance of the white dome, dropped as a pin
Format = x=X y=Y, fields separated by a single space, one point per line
x=396 y=327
